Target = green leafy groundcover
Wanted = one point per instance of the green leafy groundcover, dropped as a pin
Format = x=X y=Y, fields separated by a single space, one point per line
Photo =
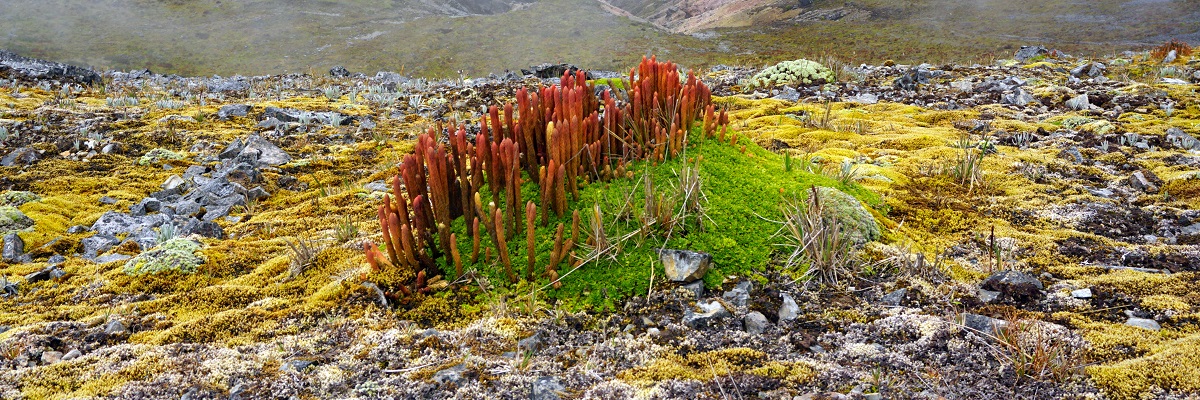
x=743 y=191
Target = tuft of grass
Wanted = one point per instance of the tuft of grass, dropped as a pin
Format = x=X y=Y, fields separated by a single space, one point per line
x=303 y=254
x=345 y=230
x=1033 y=353
x=819 y=248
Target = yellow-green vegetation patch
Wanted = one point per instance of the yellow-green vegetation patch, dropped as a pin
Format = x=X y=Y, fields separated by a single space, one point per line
x=704 y=366
x=83 y=377
x=1170 y=366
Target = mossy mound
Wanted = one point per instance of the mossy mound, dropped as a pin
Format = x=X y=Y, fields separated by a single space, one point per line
x=16 y=198
x=793 y=72
x=158 y=155
x=12 y=219
x=178 y=254
x=856 y=221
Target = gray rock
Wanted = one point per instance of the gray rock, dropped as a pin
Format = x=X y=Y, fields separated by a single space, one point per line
x=339 y=72
x=107 y=258
x=207 y=229
x=739 y=296
x=12 y=219
x=15 y=66
x=97 y=244
x=8 y=289
x=267 y=152
x=1027 y=52
x=51 y=272
x=450 y=376
x=185 y=208
x=546 y=388
x=863 y=98
x=378 y=186
x=51 y=357
x=296 y=365
x=787 y=93
x=1085 y=293
x=1180 y=139
x=1139 y=181
x=984 y=324
x=257 y=193
x=706 y=314
x=233 y=110
x=1079 y=103
x=71 y=355
x=696 y=287
x=56 y=259
x=14 y=249
x=1015 y=285
x=115 y=327
x=175 y=183
x=551 y=71
x=988 y=296
x=232 y=84
x=108 y=200
x=1170 y=57
x=1088 y=70
x=20 y=156
x=755 y=322
x=789 y=310
x=895 y=298
x=77 y=229
x=532 y=343
x=1018 y=97
x=1144 y=323
x=114 y=223
x=684 y=265
x=146 y=206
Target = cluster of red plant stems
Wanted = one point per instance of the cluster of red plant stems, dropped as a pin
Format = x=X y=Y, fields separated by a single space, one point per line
x=1181 y=48
x=557 y=136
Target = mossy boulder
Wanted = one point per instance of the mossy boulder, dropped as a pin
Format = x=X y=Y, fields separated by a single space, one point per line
x=178 y=254
x=16 y=198
x=1085 y=124
x=792 y=72
x=858 y=223
x=12 y=219
x=158 y=155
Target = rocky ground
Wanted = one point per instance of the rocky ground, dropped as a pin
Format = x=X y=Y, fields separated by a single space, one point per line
x=172 y=237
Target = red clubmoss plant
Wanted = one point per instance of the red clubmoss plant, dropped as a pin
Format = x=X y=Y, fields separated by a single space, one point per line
x=475 y=240
x=530 y=240
x=1181 y=48
x=402 y=292
x=559 y=252
x=502 y=246
x=555 y=136
x=458 y=270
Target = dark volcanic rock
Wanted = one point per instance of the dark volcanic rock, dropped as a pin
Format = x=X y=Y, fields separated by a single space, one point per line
x=551 y=71
x=233 y=110
x=1028 y=52
x=13 y=66
x=14 y=249
x=20 y=156
x=1014 y=285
